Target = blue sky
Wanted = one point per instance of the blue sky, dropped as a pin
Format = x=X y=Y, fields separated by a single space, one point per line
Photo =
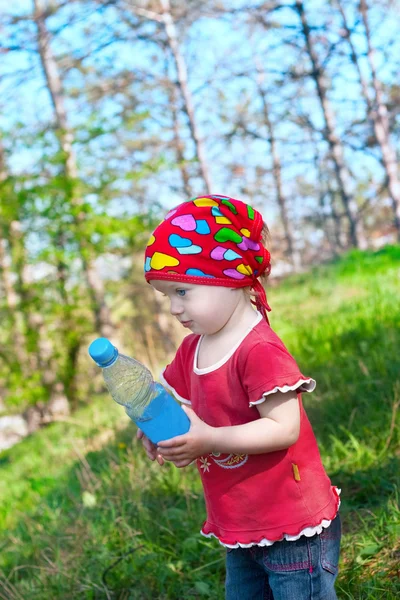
x=213 y=49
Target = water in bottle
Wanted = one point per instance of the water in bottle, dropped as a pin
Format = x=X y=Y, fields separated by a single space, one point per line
x=131 y=384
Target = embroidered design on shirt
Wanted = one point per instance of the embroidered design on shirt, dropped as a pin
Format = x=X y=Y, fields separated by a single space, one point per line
x=204 y=464
x=226 y=461
x=231 y=461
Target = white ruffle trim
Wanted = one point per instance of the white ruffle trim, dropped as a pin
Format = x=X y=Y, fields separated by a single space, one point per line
x=302 y=385
x=171 y=389
x=308 y=532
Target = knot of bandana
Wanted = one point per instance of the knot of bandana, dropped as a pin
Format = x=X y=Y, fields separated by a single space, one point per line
x=210 y=240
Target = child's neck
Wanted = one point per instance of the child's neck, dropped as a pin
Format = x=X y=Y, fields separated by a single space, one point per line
x=241 y=319
x=216 y=346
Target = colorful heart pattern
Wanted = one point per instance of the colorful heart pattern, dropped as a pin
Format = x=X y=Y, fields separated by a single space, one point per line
x=205 y=237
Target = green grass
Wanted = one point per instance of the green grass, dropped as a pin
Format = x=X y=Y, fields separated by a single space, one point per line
x=83 y=514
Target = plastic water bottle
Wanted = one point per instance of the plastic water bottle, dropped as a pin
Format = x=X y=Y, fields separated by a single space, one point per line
x=131 y=384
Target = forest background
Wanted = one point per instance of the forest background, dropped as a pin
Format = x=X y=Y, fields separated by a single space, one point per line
x=112 y=112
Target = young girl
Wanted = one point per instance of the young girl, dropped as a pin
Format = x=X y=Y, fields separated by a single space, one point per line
x=268 y=498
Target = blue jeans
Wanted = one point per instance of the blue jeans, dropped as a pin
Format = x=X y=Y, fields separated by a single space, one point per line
x=302 y=570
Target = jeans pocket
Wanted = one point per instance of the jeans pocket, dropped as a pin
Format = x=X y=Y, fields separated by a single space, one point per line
x=330 y=546
x=287 y=556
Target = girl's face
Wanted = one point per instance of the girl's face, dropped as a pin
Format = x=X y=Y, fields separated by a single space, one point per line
x=204 y=309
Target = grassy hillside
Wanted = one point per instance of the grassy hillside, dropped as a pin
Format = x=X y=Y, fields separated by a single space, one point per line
x=83 y=515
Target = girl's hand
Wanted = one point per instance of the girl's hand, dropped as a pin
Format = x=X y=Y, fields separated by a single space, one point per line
x=184 y=449
x=150 y=448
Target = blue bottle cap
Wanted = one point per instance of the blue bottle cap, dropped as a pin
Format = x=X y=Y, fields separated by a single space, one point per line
x=103 y=352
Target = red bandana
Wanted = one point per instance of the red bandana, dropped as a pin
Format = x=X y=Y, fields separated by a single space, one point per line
x=210 y=240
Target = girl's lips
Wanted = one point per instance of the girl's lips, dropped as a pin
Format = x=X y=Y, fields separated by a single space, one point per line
x=186 y=323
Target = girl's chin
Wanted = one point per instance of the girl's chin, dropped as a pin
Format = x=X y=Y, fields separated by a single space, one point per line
x=194 y=328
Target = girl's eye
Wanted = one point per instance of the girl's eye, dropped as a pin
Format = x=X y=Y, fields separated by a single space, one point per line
x=181 y=292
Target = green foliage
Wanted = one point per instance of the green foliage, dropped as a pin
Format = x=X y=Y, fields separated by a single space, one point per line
x=84 y=514
x=53 y=228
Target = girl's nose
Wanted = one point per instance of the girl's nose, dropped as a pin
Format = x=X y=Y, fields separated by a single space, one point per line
x=176 y=307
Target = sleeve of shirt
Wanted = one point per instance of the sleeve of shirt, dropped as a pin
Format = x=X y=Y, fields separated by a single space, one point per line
x=271 y=368
x=175 y=376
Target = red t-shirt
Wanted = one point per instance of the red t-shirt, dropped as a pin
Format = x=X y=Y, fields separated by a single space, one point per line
x=258 y=498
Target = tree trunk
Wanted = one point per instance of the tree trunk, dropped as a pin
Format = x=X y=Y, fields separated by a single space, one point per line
x=26 y=322
x=354 y=59
x=380 y=119
x=9 y=292
x=178 y=145
x=342 y=175
x=180 y=64
x=277 y=175
x=16 y=318
x=330 y=220
x=50 y=68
